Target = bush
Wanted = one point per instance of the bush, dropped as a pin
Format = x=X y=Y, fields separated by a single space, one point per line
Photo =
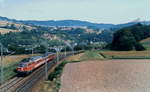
x=57 y=72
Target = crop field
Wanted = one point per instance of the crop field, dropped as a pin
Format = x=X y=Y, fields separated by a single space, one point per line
x=145 y=40
x=106 y=76
x=126 y=54
x=4 y=23
x=4 y=31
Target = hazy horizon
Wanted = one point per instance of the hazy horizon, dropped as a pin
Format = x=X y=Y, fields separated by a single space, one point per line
x=96 y=11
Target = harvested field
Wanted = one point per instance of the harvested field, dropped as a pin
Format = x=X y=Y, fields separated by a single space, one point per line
x=107 y=76
x=145 y=40
x=4 y=23
x=4 y=31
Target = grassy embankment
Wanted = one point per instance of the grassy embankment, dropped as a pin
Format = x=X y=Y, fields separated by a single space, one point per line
x=11 y=63
x=54 y=82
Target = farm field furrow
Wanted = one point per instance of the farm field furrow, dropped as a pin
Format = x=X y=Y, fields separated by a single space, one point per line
x=106 y=76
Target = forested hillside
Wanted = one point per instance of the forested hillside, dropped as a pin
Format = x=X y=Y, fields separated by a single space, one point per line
x=129 y=38
x=28 y=37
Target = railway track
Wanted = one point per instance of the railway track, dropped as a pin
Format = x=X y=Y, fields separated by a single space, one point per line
x=8 y=85
x=25 y=84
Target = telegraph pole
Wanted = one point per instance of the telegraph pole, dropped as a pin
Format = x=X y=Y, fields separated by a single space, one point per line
x=32 y=51
x=65 y=52
x=1 y=64
x=32 y=48
x=57 y=49
x=46 y=69
x=57 y=53
x=73 y=46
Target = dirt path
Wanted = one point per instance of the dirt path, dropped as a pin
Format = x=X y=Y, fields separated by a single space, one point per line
x=107 y=76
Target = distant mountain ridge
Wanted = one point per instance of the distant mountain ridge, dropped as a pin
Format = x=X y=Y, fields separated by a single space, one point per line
x=73 y=23
x=68 y=23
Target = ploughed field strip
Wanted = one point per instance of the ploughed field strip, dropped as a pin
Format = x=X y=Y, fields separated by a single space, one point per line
x=107 y=76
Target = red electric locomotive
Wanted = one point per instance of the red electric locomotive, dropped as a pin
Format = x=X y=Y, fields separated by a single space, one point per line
x=28 y=65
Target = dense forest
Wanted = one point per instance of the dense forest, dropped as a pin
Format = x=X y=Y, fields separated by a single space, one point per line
x=129 y=38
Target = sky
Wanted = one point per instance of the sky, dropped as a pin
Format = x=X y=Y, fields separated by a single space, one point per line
x=98 y=11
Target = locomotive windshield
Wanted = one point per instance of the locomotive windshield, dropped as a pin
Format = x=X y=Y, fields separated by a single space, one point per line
x=35 y=58
x=25 y=60
x=22 y=65
x=46 y=54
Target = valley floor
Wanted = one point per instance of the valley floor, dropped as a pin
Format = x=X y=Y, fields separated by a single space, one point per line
x=106 y=76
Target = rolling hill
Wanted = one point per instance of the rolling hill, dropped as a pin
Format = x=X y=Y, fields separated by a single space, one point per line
x=4 y=30
x=146 y=43
x=69 y=23
x=19 y=36
x=8 y=26
x=52 y=31
x=74 y=23
x=59 y=23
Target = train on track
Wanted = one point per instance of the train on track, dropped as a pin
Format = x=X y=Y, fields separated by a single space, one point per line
x=26 y=66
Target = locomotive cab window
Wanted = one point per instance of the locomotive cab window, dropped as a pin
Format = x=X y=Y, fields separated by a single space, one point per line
x=22 y=65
